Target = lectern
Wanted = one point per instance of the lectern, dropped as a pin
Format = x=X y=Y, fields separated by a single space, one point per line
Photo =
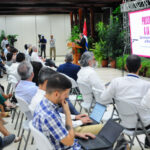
x=75 y=52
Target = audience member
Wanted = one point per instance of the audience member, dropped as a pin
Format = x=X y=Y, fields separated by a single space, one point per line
x=130 y=89
x=87 y=74
x=35 y=57
x=15 y=52
x=13 y=75
x=47 y=118
x=6 y=50
x=36 y=68
x=26 y=52
x=7 y=140
x=68 y=68
x=26 y=89
x=9 y=59
x=29 y=49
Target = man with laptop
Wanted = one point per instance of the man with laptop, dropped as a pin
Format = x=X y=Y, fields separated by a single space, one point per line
x=130 y=89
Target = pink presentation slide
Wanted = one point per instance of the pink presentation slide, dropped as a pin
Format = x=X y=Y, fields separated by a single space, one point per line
x=139 y=22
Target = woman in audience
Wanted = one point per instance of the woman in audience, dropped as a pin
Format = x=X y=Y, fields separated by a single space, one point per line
x=36 y=68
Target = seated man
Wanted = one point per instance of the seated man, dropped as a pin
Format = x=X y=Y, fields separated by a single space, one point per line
x=130 y=89
x=35 y=57
x=87 y=74
x=68 y=68
x=47 y=119
x=26 y=89
x=78 y=120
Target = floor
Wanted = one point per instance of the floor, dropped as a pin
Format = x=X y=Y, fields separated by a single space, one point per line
x=106 y=74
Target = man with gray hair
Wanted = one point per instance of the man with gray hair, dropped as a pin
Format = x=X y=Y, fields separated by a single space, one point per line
x=35 y=57
x=68 y=68
x=26 y=89
x=87 y=74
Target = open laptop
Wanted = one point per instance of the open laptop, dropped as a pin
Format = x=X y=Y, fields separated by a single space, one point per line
x=97 y=113
x=105 y=138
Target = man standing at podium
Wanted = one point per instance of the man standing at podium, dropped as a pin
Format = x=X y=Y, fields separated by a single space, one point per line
x=82 y=43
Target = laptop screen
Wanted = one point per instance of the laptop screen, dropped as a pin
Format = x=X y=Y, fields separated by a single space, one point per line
x=111 y=131
x=98 y=112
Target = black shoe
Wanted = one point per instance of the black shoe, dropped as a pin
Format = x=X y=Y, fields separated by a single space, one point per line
x=1 y=76
x=7 y=140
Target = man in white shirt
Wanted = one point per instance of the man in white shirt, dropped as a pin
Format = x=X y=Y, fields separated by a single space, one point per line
x=52 y=47
x=88 y=75
x=146 y=100
x=26 y=89
x=129 y=89
x=35 y=57
x=78 y=120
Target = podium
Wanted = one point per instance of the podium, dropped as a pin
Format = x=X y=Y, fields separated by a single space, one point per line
x=75 y=48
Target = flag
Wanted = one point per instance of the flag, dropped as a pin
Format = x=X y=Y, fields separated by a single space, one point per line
x=85 y=34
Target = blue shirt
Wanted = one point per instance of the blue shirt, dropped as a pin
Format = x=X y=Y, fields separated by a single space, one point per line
x=69 y=69
x=26 y=90
x=48 y=121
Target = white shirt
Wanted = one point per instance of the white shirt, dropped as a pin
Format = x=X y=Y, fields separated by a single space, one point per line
x=27 y=55
x=129 y=89
x=35 y=57
x=37 y=99
x=146 y=100
x=26 y=90
x=3 y=43
x=89 y=76
x=52 y=43
x=13 y=73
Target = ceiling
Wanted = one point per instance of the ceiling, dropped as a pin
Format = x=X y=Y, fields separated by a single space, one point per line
x=19 y=7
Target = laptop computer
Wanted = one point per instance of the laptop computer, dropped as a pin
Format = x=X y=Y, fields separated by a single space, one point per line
x=97 y=113
x=105 y=138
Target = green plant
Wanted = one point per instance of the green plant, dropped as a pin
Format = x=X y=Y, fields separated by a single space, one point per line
x=12 y=39
x=121 y=61
x=115 y=38
x=100 y=50
x=74 y=34
x=90 y=42
x=148 y=72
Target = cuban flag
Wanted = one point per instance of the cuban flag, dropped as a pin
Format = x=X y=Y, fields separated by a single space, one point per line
x=85 y=34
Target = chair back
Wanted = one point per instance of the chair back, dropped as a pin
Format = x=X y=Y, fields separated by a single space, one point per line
x=127 y=113
x=97 y=93
x=86 y=92
x=41 y=140
x=24 y=107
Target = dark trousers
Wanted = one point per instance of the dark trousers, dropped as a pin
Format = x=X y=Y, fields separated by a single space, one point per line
x=43 y=50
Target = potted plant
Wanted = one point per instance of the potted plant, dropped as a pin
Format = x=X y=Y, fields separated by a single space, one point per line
x=103 y=48
x=115 y=40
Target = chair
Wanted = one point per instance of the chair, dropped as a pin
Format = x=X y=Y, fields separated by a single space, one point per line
x=41 y=140
x=74 y=90
x=88 y=97
x=111 y=112
x=129 y=110
x=23 y=105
